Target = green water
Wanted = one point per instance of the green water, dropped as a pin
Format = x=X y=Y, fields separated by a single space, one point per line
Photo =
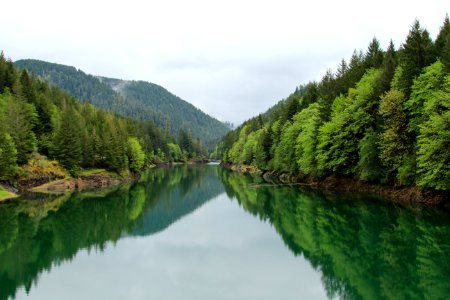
x=202 y=232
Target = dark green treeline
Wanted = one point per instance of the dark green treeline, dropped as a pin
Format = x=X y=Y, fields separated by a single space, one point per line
x=38 y=234
x=38 y=118
x=383 y=117
x=365 y=249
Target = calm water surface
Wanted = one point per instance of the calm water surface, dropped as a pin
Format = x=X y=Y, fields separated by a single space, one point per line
x=202 y=232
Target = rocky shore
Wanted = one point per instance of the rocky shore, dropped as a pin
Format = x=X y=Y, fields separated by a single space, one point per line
x=411 y=195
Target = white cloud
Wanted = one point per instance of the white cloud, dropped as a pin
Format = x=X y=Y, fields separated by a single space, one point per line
x=232 y=59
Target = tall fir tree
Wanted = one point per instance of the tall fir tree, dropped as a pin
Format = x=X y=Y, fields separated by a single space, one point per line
x=442 y=44
x=8 y=156
x=416 y=53
x=67 y=142
x=374 y=55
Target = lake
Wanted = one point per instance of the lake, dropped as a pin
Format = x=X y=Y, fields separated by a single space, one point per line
x=202 y=232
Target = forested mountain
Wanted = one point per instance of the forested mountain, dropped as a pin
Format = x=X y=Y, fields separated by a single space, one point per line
x=383 y=117
x=137 y=99
x=38 y=121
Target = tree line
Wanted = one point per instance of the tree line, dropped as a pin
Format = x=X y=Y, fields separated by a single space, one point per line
x=139 y=100
x=38 y=118
x=382 y=117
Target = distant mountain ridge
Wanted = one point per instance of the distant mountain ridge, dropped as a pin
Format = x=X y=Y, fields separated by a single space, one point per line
x=137 y=99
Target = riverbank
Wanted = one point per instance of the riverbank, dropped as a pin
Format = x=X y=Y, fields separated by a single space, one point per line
x=403 y=194
x=89 y=179
x=5 y=194
x=60 y=182
x=86 y=180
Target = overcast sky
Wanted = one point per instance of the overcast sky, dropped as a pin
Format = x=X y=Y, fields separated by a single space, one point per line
x=232 y=59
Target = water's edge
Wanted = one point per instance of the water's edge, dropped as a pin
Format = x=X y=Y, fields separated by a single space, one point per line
x=401 y=194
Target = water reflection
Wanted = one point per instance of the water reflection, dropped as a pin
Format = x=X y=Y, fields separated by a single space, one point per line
x=364 y=249
x=40 y=234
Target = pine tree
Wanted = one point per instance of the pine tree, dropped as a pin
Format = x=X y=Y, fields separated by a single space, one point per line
x=442 y=44
x=388 y=68
x=416 y=53
x=19 y=120
x=67 y=142
x=374 y=55
x=8 y=157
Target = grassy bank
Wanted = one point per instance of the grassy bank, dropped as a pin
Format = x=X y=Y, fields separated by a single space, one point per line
x=5 y=194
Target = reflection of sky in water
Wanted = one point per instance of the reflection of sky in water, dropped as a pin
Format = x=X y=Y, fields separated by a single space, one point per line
x=217 y=252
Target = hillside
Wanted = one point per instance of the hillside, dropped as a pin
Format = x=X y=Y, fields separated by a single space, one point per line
x=137 y=99
x=382 y=117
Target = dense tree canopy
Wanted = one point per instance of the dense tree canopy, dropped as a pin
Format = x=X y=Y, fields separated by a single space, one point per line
x=38 y=118
x=382 y=117
x=137 y=99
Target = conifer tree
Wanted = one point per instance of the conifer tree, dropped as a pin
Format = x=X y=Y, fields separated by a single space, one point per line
x=67 y=143
x=374 y=55
x=442 y=44
x=416 y=53
x=8 y=156
x=388 y=68
x=20 y=118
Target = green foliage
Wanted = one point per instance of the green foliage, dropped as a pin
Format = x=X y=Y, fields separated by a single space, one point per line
x=337 y=150
x=175 y=152
x=137 y=99
x=19 y=118
x=38 y=117
x=40 y=167
x=66 y=142
x=433 y=155
x=442 y=44
x=305 y=145
x=250 y=147
x=136 y=156
x=8 y=157
x=369 y=166
x=382 y=117
x=393 y=139
x=235 y=153
x=416 y=53
x=423 y=89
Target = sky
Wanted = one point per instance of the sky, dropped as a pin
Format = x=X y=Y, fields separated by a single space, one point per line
x=232 y=59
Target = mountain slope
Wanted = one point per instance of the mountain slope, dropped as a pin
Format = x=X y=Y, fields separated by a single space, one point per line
x=137 y=99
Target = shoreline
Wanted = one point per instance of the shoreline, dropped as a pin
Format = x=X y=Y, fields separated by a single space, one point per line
x=401 y=194
x=87 y=180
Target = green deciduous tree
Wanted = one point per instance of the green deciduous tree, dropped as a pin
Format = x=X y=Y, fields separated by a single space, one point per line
x=175 y=152
x=350 y=118
x=305 y=145
x=423 y=89
x=136 y=156
x=369 y=166
x=393 y=139
x=433 y=141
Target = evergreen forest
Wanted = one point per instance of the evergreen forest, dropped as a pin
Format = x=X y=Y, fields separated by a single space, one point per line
x=382 y=117
x=139 y=100
x=45 y=130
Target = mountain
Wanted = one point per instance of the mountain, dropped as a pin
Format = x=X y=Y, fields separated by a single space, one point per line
x=137 y=99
